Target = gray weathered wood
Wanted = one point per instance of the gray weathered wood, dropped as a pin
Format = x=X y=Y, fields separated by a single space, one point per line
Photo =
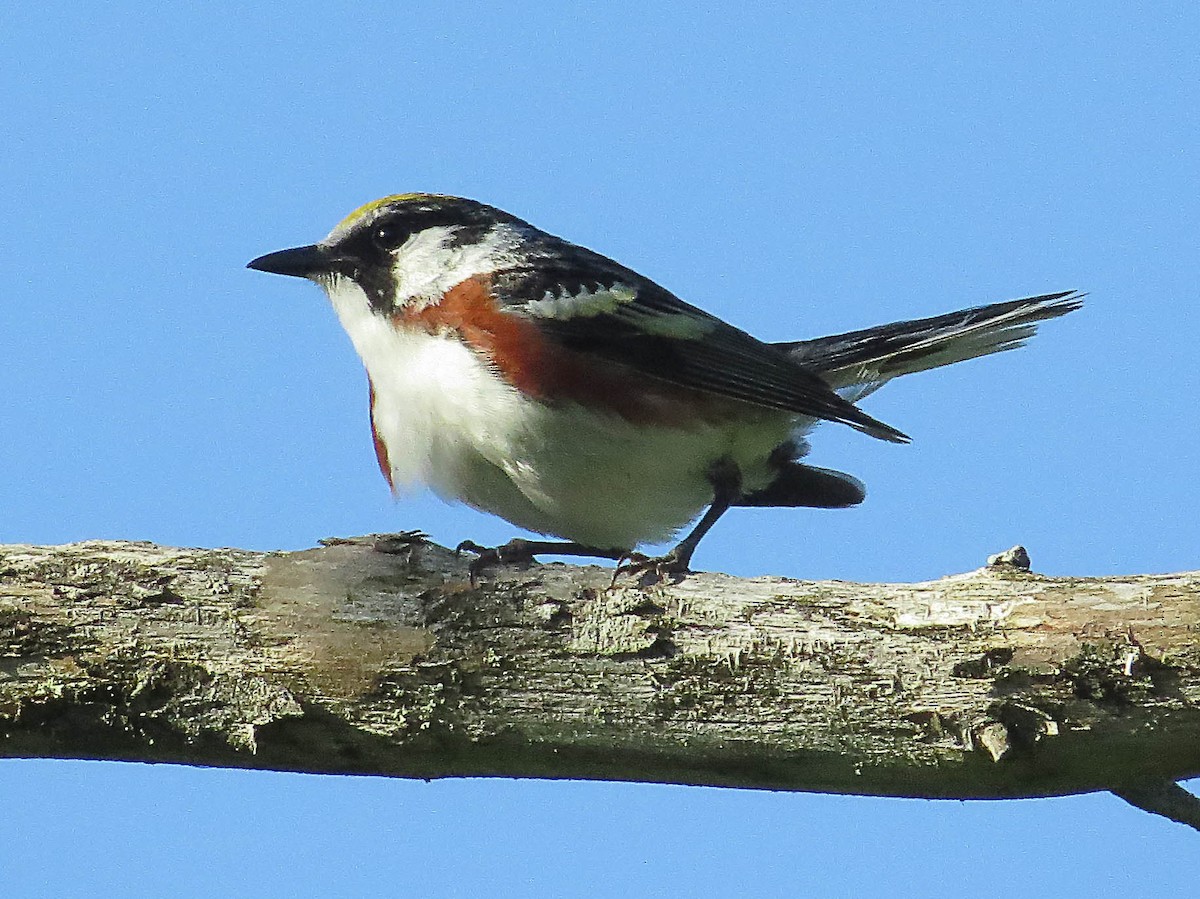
x=995 y=683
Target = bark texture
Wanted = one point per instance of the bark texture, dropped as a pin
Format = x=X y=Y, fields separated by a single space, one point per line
x=382 y=658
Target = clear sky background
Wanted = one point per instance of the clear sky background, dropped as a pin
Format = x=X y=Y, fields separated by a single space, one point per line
x=797 y=169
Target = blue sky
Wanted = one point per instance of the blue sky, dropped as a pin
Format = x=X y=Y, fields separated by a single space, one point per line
x=797 y=169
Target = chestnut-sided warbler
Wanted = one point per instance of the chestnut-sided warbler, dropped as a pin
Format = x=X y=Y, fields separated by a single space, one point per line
x=546 y=383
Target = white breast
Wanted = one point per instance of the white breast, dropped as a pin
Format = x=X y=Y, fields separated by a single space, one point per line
x=447 y=420
x=435 y=402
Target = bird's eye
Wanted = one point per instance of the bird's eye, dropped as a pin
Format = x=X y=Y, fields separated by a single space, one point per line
x=389 y=235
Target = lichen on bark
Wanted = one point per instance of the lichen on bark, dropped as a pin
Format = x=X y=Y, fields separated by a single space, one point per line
x=345 y=658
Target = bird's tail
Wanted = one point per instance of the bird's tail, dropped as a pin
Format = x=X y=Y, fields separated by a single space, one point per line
x=858 y=362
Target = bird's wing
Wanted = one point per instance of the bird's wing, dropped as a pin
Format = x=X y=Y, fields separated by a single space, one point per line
x=590 y=304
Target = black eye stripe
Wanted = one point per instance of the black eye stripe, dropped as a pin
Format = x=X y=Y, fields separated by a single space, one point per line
x=391 y=226
x=392 y=231
x=389 y=235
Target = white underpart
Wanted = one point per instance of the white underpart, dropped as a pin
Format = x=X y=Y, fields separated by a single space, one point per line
x=450 y=422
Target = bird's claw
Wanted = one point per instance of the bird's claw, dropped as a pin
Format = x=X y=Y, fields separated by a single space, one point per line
x=513 y=552
x=398 y=543
x=652 y=569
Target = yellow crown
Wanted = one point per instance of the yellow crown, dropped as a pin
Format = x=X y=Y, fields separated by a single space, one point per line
x=367 y=208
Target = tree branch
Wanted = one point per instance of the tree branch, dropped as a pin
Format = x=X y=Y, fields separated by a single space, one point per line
x=350 y=659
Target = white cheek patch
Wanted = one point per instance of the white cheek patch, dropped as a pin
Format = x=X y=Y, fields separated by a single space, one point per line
x=420 y=263
x=427 y=265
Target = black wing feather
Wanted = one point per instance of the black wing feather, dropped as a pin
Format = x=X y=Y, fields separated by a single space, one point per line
x=713 y=357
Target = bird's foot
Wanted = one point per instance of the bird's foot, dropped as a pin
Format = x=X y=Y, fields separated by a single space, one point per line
x=514 y=552
x=522 y=552
x=653 y=569
x=399 y=543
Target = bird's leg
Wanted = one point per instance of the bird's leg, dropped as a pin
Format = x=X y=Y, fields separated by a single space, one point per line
x=517 y=551
x=726 y=480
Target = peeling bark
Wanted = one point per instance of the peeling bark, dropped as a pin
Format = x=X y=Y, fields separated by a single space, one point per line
x=350 y=659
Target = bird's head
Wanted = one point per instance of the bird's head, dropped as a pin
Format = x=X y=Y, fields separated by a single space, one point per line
x=405 y=250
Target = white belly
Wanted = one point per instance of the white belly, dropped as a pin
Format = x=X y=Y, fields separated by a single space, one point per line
x=448 y=421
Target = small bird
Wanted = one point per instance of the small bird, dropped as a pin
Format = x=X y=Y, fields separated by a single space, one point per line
x=550 y=385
